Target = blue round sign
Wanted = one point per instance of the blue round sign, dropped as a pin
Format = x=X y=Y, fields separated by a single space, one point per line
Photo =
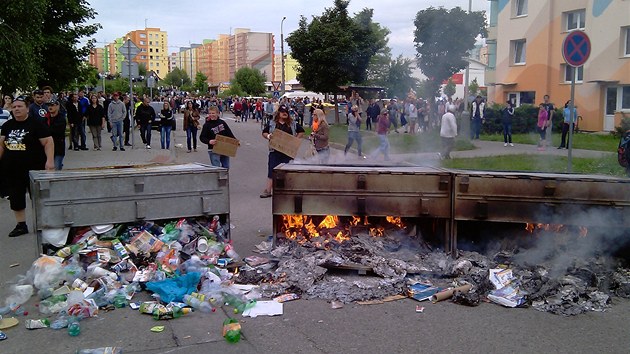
x=576 y=48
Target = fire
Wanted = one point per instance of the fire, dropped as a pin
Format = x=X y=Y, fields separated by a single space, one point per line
x=557 y=228
x=303 y=228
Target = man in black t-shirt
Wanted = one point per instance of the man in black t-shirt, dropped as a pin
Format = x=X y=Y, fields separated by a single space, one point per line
x=550 y=110
x=25 y=144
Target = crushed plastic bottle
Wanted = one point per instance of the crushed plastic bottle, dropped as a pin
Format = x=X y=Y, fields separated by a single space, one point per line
x=102 y=350
x=61 y=321
x=74 y=329
x=231 y=330
x=239 y=304
x=198 y=304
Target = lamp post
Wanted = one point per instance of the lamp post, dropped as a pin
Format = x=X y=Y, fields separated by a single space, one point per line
x=466 y=122
x=282 y=52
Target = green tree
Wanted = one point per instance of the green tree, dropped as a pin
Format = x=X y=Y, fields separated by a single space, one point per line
x=177 y=77
x=442 y=39
x=335 y=49
x=142 y=69
x=399 y=79
x=473 y=88
x=201 y=82
x=249 y=80
x=449 y=88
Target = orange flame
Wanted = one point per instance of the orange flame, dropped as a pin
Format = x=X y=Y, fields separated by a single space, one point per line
x=329 y=222
x=396 y=220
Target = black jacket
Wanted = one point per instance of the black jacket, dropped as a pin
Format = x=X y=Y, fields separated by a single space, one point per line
x=145 y=114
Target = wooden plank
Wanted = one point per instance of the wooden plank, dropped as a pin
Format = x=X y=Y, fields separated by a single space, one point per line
x=225 y=146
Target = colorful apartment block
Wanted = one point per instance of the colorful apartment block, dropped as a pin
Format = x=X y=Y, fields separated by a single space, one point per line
x=525 y=59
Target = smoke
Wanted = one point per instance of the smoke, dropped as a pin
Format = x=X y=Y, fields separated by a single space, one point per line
x=566 y=248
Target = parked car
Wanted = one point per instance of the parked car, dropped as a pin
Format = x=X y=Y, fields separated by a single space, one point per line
x=157 y=107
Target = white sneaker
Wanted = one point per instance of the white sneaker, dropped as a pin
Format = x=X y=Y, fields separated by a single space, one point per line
x=504 y=144
x=148 y=146
x=511 y=144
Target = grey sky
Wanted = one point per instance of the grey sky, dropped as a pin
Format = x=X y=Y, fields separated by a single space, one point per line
x=195 y=20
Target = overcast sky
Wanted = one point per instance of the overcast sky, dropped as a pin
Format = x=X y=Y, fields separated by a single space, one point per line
x=195 y=20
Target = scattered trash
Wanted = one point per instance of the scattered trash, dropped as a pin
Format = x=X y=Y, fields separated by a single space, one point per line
x=508 y=296
x=264 y=308
x=336 y=304
x=231 y=330
x=421 y=292
x=447 y=294
x=8 y=322
x=3 y=336
x=14 y=265
x=103 y=350
x=37 y=324
x=419 y=308
x=157 y=329
x=286 y=297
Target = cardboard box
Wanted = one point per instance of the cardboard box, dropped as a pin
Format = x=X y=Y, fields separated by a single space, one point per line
x=225 y=146
x=285 y=143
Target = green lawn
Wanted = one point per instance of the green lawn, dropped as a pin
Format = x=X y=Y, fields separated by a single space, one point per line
x=587 y=141
x=538 y=163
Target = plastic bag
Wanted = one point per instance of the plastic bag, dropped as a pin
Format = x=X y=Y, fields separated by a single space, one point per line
x=46 y=272
x=19 y=295
x=175 y=288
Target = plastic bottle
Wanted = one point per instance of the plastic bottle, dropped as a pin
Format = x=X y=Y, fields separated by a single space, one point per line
x=120 y=300
x=198 y=304
x=230 y=252
x=61 y=321
x=239 y=304
x=74 y=329
x=231 y=330
x=168 y=312
x=52 y=304
x=102 y=350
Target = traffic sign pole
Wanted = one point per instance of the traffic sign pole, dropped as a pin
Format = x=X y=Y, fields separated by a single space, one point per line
x=571 y=118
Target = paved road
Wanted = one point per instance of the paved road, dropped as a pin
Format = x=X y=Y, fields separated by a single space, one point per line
x=306 y=326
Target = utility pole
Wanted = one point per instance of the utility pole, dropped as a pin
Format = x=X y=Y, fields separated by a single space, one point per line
x=282 y=53
x=465 y=119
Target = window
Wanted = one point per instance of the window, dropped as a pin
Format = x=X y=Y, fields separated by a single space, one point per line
x=520 y=8
x=150 y=42
x=492 y=54
x=143 y=43
x=568 y=72
x=143 y=57
x=625 y=97
x=626 y=34
x=518 y=51
x=520 y=98
x=151 y=57
x=494 y=13
x=143 y=35
x=576 y=20
x=157 y=50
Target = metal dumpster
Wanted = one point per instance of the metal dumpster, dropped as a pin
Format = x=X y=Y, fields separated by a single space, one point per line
x=86 y=197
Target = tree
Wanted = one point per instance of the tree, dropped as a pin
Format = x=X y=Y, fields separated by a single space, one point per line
x=449 y=89
x=177 y=77
x=39 y=42
x=473 y=88
x=250 y=80
x=335 y=49
x=442 y=39
x=201 y=82
x=399 y=79
x=142 y=69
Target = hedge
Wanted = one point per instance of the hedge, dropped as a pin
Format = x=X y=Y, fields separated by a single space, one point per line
x=524 y=120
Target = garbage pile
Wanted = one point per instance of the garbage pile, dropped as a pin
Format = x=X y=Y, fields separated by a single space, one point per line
x=402 y=264
x=183 y=263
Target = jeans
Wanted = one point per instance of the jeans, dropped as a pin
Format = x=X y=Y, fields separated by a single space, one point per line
x=145 y=133
x=117 y=131
x=58 y=162
x=352 y=136
x=165 y=136
x=219 y=160
x=191 y=132
x=79 y=132
x=475 y=128
x=447 y=147
x=96 y=135
x=565 y=131
x=507 y=132
x=383 y=147
x=258 y=115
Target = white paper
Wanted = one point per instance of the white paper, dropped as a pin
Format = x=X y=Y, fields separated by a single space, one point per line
x=501 y=277
x=265 y=308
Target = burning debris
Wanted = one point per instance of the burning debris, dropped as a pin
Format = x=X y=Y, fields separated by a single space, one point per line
x=323 y=257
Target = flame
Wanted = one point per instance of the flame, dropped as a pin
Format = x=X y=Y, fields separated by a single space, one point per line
x=396 y=220
x=329 y=222
x=557 y=228
x=356 y=220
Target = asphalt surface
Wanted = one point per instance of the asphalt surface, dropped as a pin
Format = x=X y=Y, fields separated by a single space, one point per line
x=307 y=326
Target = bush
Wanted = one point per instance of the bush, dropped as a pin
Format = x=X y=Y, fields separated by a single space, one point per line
x=524 y=121
x=624 y=127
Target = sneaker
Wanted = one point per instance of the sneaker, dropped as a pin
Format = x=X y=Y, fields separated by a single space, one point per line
x=76 y=149
x=189 y=151
x=98 y=149
x=84 y=148
x=265 y=194
x=149 y=147
x=504 y=144
x=115 y=148
x=20 y=229
x=122 y=149
x=511 y=144
x=560 y=147
x=195 y=150
x=127 y=144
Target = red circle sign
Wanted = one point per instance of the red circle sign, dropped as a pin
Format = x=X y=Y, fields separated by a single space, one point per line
x=576 y=48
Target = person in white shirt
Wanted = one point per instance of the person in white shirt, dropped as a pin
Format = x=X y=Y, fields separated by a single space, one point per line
x=448 y=132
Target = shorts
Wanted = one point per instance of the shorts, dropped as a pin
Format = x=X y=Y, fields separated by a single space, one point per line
x=276 y=158
x=17 y=186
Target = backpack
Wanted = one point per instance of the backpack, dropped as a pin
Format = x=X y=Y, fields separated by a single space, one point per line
x=623 y=151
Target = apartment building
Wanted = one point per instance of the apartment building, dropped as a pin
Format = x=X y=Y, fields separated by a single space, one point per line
x=525 y=59
x=154 y=49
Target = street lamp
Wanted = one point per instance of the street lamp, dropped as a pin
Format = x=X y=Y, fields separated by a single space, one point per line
x=282 y=51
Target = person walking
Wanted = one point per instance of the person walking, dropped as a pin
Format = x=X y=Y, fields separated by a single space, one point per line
x=372 y=113
x=382 y=129
x=476 y=117
x=25 y=145
x=507 y=114
x=281 y=121
x=566 y=124
x=166 y=125
x=412 y=115
x=543 y=123
x=191 y=124
x=74 y=120
x=117 y=112
x=145 y=115
x=448 y=131
x=320 y=136
x=354 y=122
x=211 y=128
x=95 y=120
x=83 y=104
